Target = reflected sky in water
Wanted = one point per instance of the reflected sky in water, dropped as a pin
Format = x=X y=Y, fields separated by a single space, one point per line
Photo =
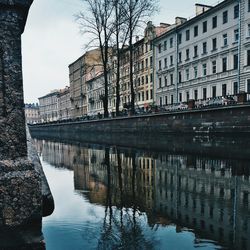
x=112 y=198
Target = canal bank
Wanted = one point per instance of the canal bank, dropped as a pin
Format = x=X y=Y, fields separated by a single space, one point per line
x=217 y=120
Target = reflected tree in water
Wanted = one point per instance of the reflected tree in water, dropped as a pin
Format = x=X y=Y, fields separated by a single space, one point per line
x=122 y=227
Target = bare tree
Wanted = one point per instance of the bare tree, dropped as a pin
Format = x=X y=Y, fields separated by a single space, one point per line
x=97 y=22
x=136 y=12
x=121 y=35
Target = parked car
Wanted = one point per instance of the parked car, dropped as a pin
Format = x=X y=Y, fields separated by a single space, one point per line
x=179 y=106
x=228 y=100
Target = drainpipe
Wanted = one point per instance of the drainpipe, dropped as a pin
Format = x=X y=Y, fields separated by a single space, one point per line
x=239 y=46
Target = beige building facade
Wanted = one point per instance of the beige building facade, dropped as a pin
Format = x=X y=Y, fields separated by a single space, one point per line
x=82 y=70
x=64 y=104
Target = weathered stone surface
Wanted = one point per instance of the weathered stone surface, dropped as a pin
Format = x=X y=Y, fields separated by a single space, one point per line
x=20 y=193
x=47 y=198
x=13 y=15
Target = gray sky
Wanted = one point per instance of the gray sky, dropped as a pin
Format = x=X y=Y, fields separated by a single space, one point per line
x=52 y=40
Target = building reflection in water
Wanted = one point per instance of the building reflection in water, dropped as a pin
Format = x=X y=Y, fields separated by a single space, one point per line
x=208 y=195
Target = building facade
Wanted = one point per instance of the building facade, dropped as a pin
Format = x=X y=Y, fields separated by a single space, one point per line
x=64 y=104
x=32 y=114
x=48 y=106
x=95 y=95
x=143 y=68
x=82 y=70
x=206 y=56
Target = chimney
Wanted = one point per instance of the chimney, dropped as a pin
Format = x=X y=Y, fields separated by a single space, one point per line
x=137 y=38
x=201 y=8
x=180 y=20
x=164 y=25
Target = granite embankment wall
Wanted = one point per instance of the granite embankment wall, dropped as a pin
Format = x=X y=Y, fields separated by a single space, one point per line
x=222 y=120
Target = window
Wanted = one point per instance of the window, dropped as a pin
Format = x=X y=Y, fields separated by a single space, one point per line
x=172 y=99
x=160 y=101
x=146 y=79
x=180 y=57
x=187 y=54
x=187 y=74
x=179 y=38
x=204 y=93
x=165 y=62
x=224 y=64
x=171 y=42
x=235 y=61
x=171 y=60
x=147 y=96
x=204 y=68
x=225 y=17
x=248 y=30
x=235 y=88
x=180 y=97
x=204 y=46
x=160 y=65
x=151 y=45
x=204 y=25
x=146 y=62
x=165 y=45
x=248 y=86
x=248 y=5
x=214 y=70
x=224 y=39
x=214 y=91
x=195 y=51
x=151 y=77
x=195 y=94
x=236 y=11
x=195 y=30
x=236 y=35
x=214 y=44
x=224 y=89
x=195 y=72
x=159 y=48
x=180 y=77
x=166 y=81
x=151 y=61
x=160 y=82
x=187 y=96
x=166 y=100
x=171 y=79
x=214 y=22
x=248 y=58
x=187 y=35
x=142 y=80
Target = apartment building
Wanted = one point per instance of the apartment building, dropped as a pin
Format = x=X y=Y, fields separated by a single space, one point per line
x=206 y=56
x=95 y=95
x=64 y=104
x=85 y=68
x=48 y=106
x=32 y=114
x=143 y=68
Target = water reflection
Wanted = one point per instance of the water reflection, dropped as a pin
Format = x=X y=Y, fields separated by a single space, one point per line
x=155 y=200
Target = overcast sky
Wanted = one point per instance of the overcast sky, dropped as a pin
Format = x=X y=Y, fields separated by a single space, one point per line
x=52 y=41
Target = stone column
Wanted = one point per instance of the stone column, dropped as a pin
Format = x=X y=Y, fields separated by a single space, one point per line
x=20 y=184
x=13 y=14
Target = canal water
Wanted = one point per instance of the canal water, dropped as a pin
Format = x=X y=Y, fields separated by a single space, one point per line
x=123 y=197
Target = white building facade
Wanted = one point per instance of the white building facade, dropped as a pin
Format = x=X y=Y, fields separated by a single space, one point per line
x=95 y=95
x=48 y=107
x=206 y=56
